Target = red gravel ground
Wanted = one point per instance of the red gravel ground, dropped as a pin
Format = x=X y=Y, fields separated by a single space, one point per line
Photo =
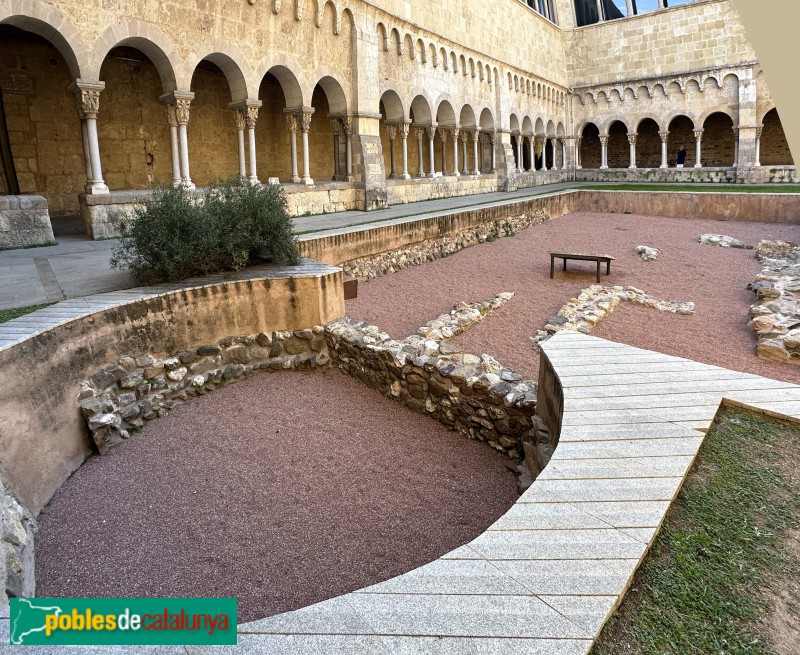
x=281 y=490
x=714 y=278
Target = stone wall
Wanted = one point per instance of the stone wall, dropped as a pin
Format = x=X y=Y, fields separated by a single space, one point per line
x=416 y=189
x=660 y=175
x=24 y=222
x=17 y=531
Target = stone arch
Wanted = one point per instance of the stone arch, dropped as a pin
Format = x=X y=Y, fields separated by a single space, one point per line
x=527 y=125
x=636 y=123
x=674 y=87
x=539 y=127
x=658 y=90
x=409 y=45
x=648 y=143
x=347 y=13
x=422 y=52
x=487 y=120
x=774 y=146
x=643 y=92
x=618 y=148
x=480 y=70
x=393 y=107
x=148 y=39
x=466 y=117
x=527 y=87
x=560 y=130
x=590 y=145
x=712 y=78
x=319 y=14
x=278 y=90
x=281 y=68
x=225 y=56
x=718 y=145
x=445 y=115
x=47 y=21
x=681 y=133
x=383 y=37
x=454 y=61
x=462 y=60
x=335 y=94
x=396 y=41
x=692 y=86
x=421 y=110
x=329 y=101
x=551 y=130
x=510 y=82
x=434 y=58
x=472 y=67
x=443 y=56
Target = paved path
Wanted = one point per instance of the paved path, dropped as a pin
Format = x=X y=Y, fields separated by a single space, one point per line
x=544 y=578
x=78 y=266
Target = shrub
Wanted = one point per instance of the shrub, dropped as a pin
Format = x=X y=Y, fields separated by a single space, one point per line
x=174 y=235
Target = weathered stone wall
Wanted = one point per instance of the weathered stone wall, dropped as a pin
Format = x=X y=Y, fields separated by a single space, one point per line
x=413 y=190
x=24 y=221
x=42 y=435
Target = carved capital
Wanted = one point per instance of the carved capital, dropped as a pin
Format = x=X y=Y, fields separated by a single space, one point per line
x=604 y=140
x=475 y=136
x=336 y=126
x=182 y=107
x=698 y=135
x=347 y=125
x=492 y=137
x=456 y=133
x=735 y=132
x=431 y=132
x=250 y=117
x=305 y=121
x=420 y=132
x=664 y=136
x=632 y=139
x=392 y=129
x=291 y=122
x=88 y=101
x=759 y=130
x=578 y=141
x=403 y=128
x=171 y=118
x=238 y=117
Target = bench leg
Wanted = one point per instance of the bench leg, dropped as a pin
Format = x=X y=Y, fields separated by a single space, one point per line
x=598 y=271
x=608 y=267
x=565 y=263
x=552 y=266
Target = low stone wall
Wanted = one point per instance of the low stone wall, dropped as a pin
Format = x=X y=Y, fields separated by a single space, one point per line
x=43 y=437
x=118 y=399
x=323 y=198
x=475 y=395
x=17 y=530
x=367 y=268
x=771 y=175
x=400 y=191
x=24 y=222
x=530 y=179
x=543 y=439
x=659 y=175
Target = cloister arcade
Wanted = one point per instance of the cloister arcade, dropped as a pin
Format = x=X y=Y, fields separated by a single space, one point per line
x=147 y=114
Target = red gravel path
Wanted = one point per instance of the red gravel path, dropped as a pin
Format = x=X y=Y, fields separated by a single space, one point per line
x=281 y=490
x=714 y=278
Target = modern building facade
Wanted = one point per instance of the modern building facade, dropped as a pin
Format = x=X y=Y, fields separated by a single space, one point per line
x=353 y=104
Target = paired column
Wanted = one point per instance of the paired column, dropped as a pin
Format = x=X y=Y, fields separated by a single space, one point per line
x=431 y=132
x=238 y=117
x=759 y=130
x=336 y=130
x=246 y=116
x=178 y=106
x=175 y=148
x=698 y=139
x=443 y=137
x=347 y=126
x=578 y=141
x=632 y=148
x=492 y=139
x=476 y=137
x=464 y=159
x=293 y=124
x=305 y=126
x=603 y=152
x=456 y=132
x=420 y=132
x=392 y=129
x=520 y=162
x=664 y=136
x=532 y=152
x=403 y=128
x=563 y=154
x=87 y=97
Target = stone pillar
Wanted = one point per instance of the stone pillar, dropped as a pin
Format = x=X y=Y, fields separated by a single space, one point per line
x=431 y=132
x=238 y=117
x=182 y=106
x=603 y=152
x=629 y=7
x=420 y=132
x=87 y=98
x=492 y=140
x=563 y=154
x=392 y=129
x=456 y=132
x=664 y=137
x=759 y=130
x=532 y=152
x=443 y=137
x=464 y=164
x=250 y=118
x=600 y=16
x=698 y=139
x=578 y=141
x=403 y=127
x=347 y=126
x=735 y=147
x=292 y=123
x=520 y=158
x=475 y=135
x=305 y=126
x=336 y=130
x=553 y=153
x=632 y=146
x=174 y=147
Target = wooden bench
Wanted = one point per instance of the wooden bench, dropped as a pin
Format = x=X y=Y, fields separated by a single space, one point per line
x=582 y=257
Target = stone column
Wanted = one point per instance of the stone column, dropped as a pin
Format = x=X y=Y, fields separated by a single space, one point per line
x=476 y=137
x=629 y=7
x=443 y=137
x=392 y=129
x=492 y=140
x=292 y=123
x=735 y=147
x=578 y=141
x=563 y=154
x=552 y=152
x=532 y=152
x=464 y=165
x=336 y=130
x=600 y=16
x=759 y=130
x=182 y=106
x=456 y=132
x=250 y=118
x=87 y=98
x=403 y=127
x=603 y=152
x=431 y=132
x=305 y=126
x=347 y=126
x=632 y=148
x=238 y=117
x=420 y=132
x=698 y=139
x=174 y=147
x=664 y=137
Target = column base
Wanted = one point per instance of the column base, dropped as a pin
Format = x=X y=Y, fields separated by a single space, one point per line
x=436 y=174
x=632 y=168
x=698 y=166
x=297 y=180
x=664 y=166
x=455 y=174
x=404 y=176
x=604 y=168
x=476 y=173
x=97 y=189
x=253 y=180
x=579 y=168
x=274 y=181
x=308 y=181
x=421 y=175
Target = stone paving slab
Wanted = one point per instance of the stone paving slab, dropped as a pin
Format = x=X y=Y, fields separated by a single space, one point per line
x=620 y=448
x=557 y=544
x=484 y=646
x=631 y=467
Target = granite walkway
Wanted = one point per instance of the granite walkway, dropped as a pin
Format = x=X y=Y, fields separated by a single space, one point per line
x=546 y=576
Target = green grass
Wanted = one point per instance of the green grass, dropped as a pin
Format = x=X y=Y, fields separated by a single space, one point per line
x=694 y=188
x=707 y=584
x=8 y=314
